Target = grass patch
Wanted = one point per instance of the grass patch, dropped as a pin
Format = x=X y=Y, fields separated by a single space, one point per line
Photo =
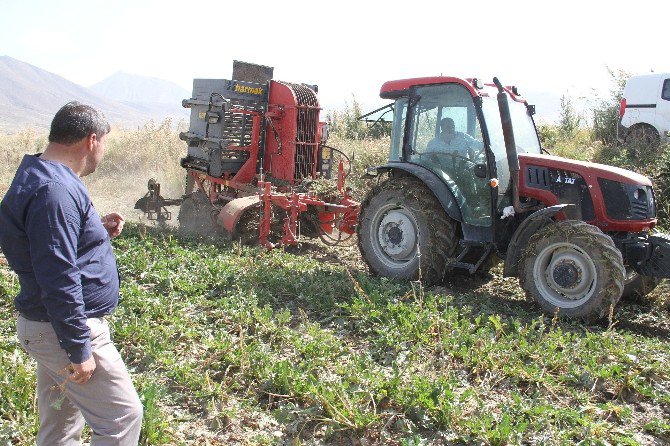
x=236 y=345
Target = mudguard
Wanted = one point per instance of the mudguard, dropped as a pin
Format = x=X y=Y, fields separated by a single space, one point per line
x=233 y=210
x=433 y=182
x=523 y=233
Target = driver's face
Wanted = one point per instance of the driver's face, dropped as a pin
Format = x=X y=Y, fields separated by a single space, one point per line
x=449 y=128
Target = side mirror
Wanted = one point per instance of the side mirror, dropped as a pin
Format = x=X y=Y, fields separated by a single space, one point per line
x=480 y=170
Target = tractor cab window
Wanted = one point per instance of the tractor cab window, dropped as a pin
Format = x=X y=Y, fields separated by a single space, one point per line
x=398 y=130
x=525 y=136
x=446 y=138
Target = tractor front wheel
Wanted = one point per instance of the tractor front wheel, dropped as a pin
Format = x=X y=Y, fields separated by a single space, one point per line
x=572 y=268
x=404 y=233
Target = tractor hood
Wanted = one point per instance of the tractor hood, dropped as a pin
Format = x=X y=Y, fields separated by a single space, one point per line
x=584 y=168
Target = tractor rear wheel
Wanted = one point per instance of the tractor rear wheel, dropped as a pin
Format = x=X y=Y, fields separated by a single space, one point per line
x=404 y=233
x=196 y=214
x=573 y=268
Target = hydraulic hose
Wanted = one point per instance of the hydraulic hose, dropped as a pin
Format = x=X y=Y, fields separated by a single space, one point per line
x=343 y=155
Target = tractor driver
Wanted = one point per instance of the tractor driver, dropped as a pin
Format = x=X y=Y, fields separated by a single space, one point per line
x=453 y=142
x=460 y=149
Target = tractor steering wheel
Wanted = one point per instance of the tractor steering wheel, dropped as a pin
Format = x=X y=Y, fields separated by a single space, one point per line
x=453 y=155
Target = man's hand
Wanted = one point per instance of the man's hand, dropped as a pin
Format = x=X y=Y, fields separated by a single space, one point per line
x=81 y=373
x=113 y=223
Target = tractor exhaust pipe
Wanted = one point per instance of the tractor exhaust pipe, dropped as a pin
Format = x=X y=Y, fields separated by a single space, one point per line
x=510 y=147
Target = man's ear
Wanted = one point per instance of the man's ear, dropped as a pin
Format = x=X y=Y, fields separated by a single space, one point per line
x=91 y=140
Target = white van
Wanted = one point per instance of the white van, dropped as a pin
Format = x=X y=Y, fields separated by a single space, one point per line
x=644 y=114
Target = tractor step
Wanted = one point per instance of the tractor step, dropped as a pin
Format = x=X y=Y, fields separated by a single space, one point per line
x=475 y=252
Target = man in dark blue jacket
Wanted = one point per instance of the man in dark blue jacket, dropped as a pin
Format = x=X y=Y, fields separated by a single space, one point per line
x=59 y=247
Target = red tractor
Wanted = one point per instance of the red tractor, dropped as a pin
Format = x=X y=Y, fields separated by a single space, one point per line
x=468 y=182
x=258 y=165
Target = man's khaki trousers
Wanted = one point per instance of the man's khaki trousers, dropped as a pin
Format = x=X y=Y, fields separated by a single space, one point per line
x=108 y=402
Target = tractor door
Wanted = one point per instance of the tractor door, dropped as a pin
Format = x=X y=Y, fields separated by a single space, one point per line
x=445 y=136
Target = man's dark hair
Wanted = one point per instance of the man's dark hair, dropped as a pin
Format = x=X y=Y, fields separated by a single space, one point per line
x=445 y=120
x=75 y=121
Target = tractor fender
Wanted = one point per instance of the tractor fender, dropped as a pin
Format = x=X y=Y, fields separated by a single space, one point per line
x=526 y=229
x=432 y=182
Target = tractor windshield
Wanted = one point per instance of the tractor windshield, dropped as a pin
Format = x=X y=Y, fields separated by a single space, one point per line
x=524 y=129
x=524 y=134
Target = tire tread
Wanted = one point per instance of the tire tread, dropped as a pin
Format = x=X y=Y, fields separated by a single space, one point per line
x=422 y=203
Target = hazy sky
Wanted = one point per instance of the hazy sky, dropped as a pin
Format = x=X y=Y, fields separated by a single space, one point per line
x=346 y=47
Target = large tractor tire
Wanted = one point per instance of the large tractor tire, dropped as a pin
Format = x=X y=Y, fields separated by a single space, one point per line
x=404 y=233
x=196 y=214
x=573 y=268
x=636 y=286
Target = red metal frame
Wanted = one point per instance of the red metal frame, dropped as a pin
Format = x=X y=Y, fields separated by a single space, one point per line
x=293 y=132
x=342 y=216
x=247 y=172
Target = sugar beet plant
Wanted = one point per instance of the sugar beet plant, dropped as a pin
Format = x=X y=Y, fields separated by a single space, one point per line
x=235 y=345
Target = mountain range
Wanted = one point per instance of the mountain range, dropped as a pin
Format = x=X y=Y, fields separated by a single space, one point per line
x=29 y=97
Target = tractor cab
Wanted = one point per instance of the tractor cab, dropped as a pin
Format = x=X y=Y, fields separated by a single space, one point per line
x=452 y=128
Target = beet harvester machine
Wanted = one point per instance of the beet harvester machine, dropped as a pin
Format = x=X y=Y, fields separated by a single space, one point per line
x=258 y=165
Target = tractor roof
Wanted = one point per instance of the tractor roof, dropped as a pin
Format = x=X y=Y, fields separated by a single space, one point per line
x=399 y=88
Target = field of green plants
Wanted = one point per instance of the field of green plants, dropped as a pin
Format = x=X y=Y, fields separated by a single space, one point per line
x=234 y=345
